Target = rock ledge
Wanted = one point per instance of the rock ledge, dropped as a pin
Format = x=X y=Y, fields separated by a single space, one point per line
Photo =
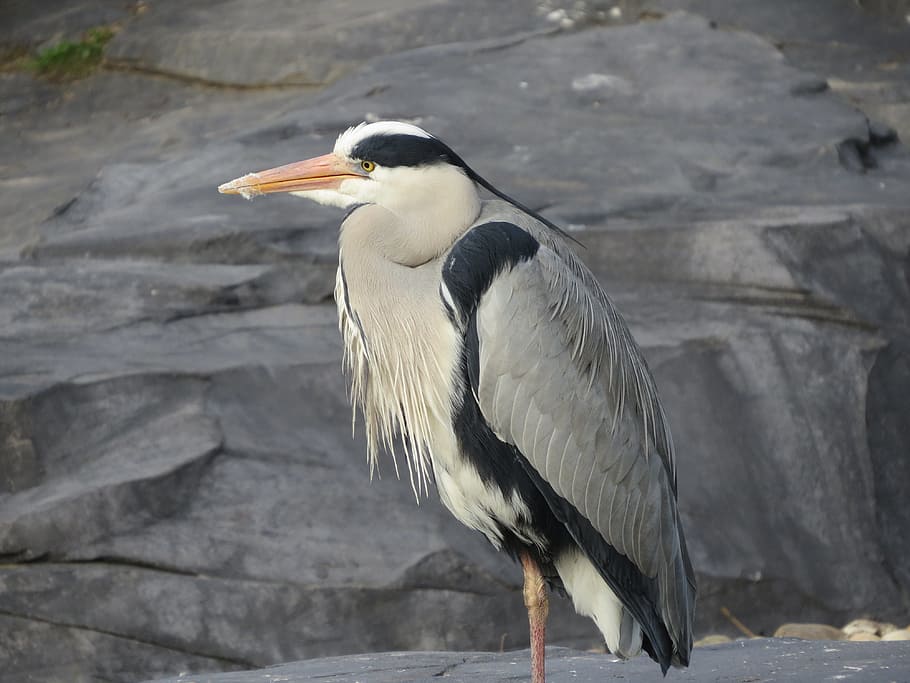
x=759 y=659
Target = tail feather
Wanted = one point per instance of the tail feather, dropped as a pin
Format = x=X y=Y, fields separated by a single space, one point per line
x=629 y=637
x=593 y=598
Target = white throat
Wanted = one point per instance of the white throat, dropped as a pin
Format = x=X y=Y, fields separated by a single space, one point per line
x=418 y=213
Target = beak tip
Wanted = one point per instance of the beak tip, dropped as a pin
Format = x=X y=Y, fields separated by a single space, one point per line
x=247 y=186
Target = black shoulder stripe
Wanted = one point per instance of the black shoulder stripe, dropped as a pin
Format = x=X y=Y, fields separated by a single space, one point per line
x=479 y=256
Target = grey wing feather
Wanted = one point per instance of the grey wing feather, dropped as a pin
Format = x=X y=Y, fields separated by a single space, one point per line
x=555 y=354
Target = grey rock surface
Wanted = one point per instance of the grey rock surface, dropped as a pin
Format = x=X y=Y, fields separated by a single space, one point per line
x=234 y=42
x=179 y=490
x=862 y=57
x=747 y=660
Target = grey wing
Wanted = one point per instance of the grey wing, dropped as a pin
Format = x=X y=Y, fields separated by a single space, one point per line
x=561 y=379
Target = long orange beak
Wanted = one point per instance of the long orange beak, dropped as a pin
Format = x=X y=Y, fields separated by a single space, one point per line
x=319 y=173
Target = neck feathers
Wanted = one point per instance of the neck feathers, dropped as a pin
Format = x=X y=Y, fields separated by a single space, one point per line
x=421 y=212
x=399 y=354
x=400 y=350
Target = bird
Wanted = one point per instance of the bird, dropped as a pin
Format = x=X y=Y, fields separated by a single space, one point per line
x=476 y=337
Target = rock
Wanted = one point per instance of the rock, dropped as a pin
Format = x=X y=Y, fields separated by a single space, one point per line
x=858 y=628
x=868 y=67
x=180 y=490
x=37 y=22
x=861 y=636
x=862 y=626
x=884 y=628
x=744 y=660
x=245 y=44
x=713 y=639
x=809 y=632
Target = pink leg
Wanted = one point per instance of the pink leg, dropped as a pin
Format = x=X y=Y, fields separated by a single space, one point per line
x=535 y=595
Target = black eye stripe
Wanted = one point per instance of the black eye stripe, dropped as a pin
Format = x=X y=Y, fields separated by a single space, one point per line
x=405 y=150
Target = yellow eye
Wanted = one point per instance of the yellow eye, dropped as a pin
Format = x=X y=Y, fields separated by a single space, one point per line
x=367 y=166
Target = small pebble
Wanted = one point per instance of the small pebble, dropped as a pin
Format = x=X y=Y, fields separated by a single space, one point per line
x=556 y=16
x=861 y=626
x=809 y=632
x=713 y=639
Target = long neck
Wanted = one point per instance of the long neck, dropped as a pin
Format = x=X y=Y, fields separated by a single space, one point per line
x=380 y=274
x=423 y=213
x=400 y=350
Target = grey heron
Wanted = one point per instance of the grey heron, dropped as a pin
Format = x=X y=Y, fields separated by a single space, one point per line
x=472 y=331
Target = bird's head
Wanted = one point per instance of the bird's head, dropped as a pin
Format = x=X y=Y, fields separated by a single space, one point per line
x=422 y=194
x=395 y=165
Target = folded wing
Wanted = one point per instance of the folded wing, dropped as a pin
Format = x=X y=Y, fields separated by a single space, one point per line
x=559 y=376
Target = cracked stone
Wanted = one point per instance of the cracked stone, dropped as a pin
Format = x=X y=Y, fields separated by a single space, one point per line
x=745 y=660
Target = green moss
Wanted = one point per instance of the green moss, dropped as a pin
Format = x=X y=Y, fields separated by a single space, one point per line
x=68 y=61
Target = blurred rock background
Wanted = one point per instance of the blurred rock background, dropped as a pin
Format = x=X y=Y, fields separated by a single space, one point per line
x=179 y=490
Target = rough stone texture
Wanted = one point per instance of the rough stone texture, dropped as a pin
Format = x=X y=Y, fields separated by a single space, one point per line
x=239 y=44
x=746 y=660
x=863 y=60
x=26 y=23
x=179 y=490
